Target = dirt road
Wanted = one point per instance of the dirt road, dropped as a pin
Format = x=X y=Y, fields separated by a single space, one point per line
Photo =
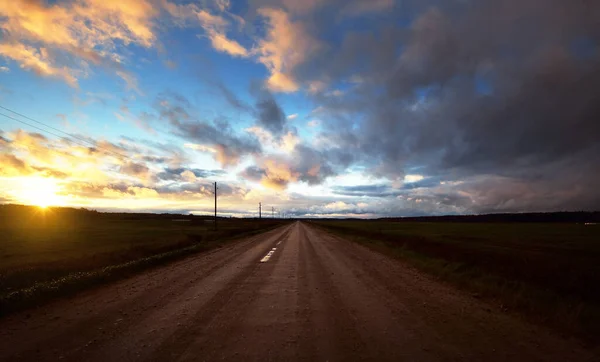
x=294 y=293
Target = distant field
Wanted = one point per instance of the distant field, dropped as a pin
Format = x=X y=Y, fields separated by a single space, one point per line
x=38 y=246
x=550 y=270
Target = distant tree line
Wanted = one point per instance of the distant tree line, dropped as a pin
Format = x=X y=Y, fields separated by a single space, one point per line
x=12 y=211
x=536 y=217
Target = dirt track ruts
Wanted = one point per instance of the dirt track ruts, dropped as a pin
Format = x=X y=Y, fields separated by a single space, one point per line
x=318 y=297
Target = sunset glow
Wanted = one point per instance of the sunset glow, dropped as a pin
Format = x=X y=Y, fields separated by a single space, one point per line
x=330 y=108
x=42 y=192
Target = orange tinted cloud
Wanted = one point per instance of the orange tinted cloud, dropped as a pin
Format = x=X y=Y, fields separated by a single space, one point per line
x=278 y=174
x=38 y=61
x=10 y=165
x=26 y=154
x=80 y=24
x=225 y=45
x=286 y=45
x=35 y=33
x=214 y=25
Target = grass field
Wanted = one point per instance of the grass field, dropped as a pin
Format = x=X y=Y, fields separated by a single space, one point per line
x=46 y=249
x=550 y=271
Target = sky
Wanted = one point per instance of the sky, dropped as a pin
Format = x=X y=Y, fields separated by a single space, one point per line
x=314 y=108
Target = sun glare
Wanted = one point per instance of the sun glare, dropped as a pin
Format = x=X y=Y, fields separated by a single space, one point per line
x=41 y=192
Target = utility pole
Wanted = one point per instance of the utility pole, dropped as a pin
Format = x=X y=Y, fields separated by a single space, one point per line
x=215 y=206
x=272 y=212
x=259 y=211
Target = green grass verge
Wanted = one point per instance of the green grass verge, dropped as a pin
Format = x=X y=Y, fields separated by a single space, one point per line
x=69 y=282
x=489 y=262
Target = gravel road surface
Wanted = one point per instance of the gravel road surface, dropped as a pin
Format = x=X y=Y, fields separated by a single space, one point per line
x=292 y=294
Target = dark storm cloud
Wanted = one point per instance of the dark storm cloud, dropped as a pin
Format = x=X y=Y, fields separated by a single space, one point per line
x=266 y=109
x=173 y=107
x=228 y=146
x=217 y=135
x=201 y=189
x=504 y=92
x=384 y=190
x=365 y=190
x=312 y=165
x=94 y=190
x=233 y=99
x=270 y=115
x=268 y=112
x=172 y=174
x=253 y=173
x=425 y=183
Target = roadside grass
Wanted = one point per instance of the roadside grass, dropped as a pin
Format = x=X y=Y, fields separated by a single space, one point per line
x=547 y=272
x=54 y=252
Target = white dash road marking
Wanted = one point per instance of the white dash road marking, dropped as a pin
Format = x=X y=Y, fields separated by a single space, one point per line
x=270 y=253
x=268 y=256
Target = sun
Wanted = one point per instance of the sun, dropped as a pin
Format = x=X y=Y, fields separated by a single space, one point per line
x=42 y=192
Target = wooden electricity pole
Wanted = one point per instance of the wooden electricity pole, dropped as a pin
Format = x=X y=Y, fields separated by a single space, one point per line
x=259 y=211
x=215 y=206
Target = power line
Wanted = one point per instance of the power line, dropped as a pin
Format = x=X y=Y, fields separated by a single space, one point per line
x=46 y=125
x=69 y=138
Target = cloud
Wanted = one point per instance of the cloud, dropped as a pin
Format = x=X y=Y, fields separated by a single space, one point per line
x=146 y=177
x=38 y=61
x=289 y=141
x=213 y=22
x=215 y=27
x=264 y=136
x=286 y=45
x=269 y=113
x=358 y=7
x=182 y=173
x=13 y=166
x=142 y=121
x=302 y=164
x=413 y=178
x=377 y=190
x=345 y=8
x=136 y=170
x=232 y=99
x=458 y=97
x=60 y=40
x=223 y=44
x=209 y=20
x=253 y=173
x=32 y=154
x=4 y=69
x=277 y=174
x=216 y=136
x=292 y=116
x=302 y=7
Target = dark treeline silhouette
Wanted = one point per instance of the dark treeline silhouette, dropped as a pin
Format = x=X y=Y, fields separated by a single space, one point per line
x=12 y=211
x=25 y=212
x=553 y=217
